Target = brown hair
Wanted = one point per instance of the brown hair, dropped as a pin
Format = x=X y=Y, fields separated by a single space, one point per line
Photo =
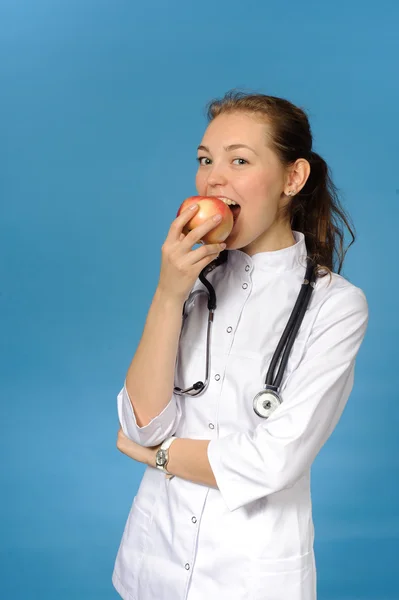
x=316 y=210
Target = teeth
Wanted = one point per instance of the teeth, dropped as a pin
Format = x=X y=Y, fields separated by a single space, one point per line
x=228 y=201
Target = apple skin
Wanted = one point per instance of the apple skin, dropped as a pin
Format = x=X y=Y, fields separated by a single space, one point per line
x=209 y=206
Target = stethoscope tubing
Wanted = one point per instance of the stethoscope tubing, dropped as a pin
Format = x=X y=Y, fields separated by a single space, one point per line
x=290 y=332
x=287 y=339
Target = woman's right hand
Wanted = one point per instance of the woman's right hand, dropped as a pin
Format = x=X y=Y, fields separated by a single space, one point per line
x=180 y=264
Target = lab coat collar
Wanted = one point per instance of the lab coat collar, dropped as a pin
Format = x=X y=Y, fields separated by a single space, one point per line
x=278 y=260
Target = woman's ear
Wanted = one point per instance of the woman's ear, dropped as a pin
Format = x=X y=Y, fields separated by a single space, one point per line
x=298 y=175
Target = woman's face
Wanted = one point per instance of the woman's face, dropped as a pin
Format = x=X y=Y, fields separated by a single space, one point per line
x=253 y=176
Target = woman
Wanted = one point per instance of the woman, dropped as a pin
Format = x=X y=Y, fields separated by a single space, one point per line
x=230 y=516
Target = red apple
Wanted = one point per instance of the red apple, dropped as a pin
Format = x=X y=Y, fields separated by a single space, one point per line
x=208 y=207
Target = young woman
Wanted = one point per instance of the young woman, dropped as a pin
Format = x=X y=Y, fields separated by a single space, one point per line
x=228 y=516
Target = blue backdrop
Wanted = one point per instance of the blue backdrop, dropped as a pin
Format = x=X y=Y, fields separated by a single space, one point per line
x=102 y=107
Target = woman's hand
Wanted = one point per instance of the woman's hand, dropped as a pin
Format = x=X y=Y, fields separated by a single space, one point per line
x=145 y=455
x=181 y=265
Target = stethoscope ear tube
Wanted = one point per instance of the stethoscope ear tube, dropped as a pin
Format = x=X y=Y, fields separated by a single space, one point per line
x=291 y=329
x=200 y=386
x=292 y=337
x=222 y=258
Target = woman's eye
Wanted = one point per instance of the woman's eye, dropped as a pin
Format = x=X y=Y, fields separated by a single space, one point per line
x=204 y=161
x=203 y=158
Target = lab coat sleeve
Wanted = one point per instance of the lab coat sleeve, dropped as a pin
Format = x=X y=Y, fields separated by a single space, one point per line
x=157 y=430
x=281 y=449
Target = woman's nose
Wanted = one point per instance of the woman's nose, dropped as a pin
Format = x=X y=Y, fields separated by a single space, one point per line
x=216 y=177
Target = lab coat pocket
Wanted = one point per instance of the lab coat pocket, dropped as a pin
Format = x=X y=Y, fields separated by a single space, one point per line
x=288 y=578
x=133 y=545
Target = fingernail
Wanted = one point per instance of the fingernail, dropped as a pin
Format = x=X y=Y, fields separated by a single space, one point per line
x=193 y=206
x=217 y=217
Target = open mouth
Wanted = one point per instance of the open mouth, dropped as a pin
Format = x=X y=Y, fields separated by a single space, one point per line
x=233 y=206
x=236 y=211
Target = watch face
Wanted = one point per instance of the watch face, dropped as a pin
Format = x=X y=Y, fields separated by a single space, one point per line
x=161 y=458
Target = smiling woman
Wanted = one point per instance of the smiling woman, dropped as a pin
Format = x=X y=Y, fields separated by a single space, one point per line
x=224 y=508
x=275 y=140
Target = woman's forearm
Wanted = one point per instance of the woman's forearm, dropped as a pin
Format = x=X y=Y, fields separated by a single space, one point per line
x=150 y=377
x=188 y=459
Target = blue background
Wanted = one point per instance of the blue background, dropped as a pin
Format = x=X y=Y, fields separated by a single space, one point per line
x=102 y=107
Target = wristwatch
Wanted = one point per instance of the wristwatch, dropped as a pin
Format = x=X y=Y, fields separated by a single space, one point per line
x=162 y=455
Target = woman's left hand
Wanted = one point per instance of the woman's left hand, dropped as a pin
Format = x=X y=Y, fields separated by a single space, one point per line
x=139 y=453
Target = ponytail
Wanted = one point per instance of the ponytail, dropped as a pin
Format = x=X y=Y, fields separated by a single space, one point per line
x=317 y=212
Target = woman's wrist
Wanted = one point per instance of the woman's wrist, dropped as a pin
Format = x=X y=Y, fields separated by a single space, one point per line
x=168 y=299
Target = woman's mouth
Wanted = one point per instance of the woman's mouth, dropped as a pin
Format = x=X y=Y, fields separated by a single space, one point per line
x=233 y=205
x=236 y=211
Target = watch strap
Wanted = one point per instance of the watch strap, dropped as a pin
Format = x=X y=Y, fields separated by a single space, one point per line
x=166 y=444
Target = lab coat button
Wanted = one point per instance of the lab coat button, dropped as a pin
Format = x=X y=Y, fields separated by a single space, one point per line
x=194 y=519
x=217 y=376
x=229 y=329
x=211 y=426
x=244 y=286
x=187 y=566
x=247 y=268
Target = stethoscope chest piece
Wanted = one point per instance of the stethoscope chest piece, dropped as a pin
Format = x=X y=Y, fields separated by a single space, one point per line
x=266 y=402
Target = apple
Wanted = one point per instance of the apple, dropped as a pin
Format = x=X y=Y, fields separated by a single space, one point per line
x=208 y=207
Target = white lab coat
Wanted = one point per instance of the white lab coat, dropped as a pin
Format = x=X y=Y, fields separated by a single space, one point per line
x=252 y=538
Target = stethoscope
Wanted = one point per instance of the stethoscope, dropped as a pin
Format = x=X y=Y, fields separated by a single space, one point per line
x=268 y=399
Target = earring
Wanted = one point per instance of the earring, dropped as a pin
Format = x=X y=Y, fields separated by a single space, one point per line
x=291 y=193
